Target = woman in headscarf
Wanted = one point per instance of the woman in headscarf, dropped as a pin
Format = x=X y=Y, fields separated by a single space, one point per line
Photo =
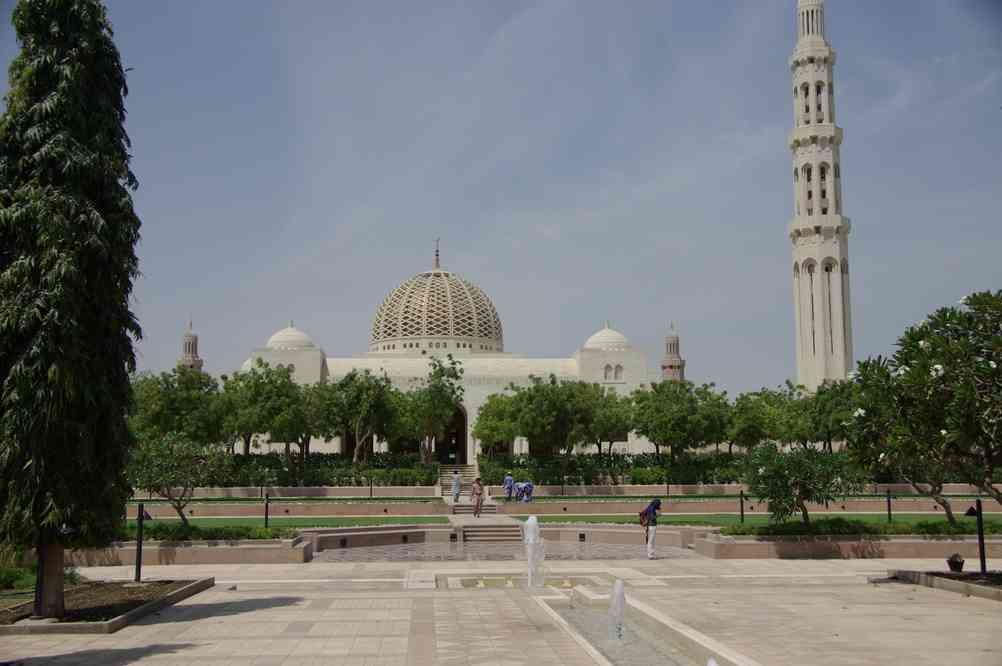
x=651 y=527
x=477 y=494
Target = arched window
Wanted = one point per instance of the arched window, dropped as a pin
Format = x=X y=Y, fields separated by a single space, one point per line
x=608 y=372
x=619 y=372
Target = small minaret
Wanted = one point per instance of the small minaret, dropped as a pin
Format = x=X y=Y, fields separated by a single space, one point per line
x=189 y=356
x=672 y=365
x=819 y=232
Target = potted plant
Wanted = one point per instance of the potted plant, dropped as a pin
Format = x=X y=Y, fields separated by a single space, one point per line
x=955 y=562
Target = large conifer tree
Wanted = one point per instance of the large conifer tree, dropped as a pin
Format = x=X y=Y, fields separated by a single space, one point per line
x=67 y=264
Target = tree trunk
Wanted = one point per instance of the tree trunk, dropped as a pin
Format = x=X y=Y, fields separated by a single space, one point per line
x=49 y=585
x=935 y=491
x=179 y=508
x=730 y=448
x=247 y=443
x=803 y=512
x=989 y=489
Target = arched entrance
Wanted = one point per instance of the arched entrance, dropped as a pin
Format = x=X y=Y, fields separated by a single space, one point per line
x=451 y=450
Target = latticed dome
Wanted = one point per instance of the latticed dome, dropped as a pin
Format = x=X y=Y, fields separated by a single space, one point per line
x=437 y=310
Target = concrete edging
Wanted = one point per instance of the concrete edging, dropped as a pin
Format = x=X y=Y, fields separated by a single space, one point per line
x=114 y=624
x=842 y=547
x=940 y=583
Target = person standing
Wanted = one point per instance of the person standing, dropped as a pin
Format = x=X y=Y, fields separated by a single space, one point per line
x=478 y=497
x=509 y=486
x=456 y=486
x=650 y=522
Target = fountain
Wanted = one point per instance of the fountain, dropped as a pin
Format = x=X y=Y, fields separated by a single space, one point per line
x=617 y=610
x=535 y=552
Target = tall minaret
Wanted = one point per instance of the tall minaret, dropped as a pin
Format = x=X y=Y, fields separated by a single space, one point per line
x=819 y=232
x=672 y=365
x=189 y=356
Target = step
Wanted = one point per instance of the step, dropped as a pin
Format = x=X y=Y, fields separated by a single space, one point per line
x=468 y=508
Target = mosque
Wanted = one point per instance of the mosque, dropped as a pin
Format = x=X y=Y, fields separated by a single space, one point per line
x=438 y=312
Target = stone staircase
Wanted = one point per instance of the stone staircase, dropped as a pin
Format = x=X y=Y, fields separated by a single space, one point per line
x=466 y=473
x=467 y=509
x=492 y=533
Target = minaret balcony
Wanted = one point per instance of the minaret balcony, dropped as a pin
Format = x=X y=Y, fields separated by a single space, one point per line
x=807 y=134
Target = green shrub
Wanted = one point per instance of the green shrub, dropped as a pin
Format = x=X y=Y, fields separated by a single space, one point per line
x=849 y=527
x=176 y=531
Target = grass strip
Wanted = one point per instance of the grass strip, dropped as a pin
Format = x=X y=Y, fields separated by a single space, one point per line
x=298 y=500
x=822 y=524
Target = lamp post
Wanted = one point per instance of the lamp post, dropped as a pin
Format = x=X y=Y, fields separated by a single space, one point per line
x=975 y=511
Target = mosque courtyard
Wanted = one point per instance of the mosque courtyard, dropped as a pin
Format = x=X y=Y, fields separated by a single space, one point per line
x=823 y=612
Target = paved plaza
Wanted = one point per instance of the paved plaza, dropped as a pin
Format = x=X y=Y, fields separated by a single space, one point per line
x=821 y=612
x=494 y=552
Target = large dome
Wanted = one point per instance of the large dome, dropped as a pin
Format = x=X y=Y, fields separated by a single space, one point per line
x=437 y=310
x=290 y=338
x=607 y=339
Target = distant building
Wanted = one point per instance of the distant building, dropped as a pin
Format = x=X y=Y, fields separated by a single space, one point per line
x=819 y=232
x=189 y=352
x=438 y=312
x=672 y=365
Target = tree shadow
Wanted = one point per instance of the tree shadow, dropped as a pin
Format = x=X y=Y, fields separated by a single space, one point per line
x=103 y=656
x=190 y=612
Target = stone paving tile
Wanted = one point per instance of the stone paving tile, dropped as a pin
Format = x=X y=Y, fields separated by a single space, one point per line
x=490 y=552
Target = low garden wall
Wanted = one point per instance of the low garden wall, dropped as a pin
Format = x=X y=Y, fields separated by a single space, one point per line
x=381 y=535
x=842 y=547
x=632 y=535
x=318 y=491
x=279 y=509
x=658 y=490
x=752 y=507
x=275 y=551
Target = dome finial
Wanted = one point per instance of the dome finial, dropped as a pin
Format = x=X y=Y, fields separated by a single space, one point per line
x=292 y=324
x=608 y=324
x=437 y=264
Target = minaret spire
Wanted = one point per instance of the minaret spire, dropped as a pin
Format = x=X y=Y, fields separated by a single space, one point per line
x=819 y=232
x=189 y=350
x=672 y=364
x=438 y=264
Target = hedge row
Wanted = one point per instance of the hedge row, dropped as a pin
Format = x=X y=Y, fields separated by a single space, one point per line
x=325 y=469
x=846 y=527
x=595 y=469
x=177 y=531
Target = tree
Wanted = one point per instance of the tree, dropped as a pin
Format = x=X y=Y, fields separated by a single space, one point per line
x=829 y=410
x=748 y=422
x=368 y=413
x=246 y=412
x=713 y=415
x=893 y=429
x=67 y=264
x=547 y=414
x=787 y=414
x=435 y=403
x=790 y=480
x=951 y=365
x=497 y=423
x=184 y=401
x=299 y=417
x=666 y=415
x=171 y=465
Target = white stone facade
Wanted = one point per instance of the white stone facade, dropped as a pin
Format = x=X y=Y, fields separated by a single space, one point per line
x=436 y=313
x=819 y=231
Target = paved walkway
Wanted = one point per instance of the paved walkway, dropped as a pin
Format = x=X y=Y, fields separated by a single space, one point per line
x=817 y=612
x=497 y=551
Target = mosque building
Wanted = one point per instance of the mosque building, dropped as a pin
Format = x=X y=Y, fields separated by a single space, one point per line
x=438 y=312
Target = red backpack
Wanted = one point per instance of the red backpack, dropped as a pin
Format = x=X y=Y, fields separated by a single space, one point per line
x=644 y=518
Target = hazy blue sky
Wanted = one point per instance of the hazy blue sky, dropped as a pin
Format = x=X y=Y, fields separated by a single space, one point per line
x=581 y=161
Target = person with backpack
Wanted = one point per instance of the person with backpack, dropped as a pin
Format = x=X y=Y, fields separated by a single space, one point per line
x=649 y=521
x=509 y=486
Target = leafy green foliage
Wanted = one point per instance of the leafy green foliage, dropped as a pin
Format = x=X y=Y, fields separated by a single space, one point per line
x=172 y=466
x=667 y=414
x=790 y=480
x=850 y=527
x=158 y=530
x=68 y=233
x=435 y=403
x=183 y=400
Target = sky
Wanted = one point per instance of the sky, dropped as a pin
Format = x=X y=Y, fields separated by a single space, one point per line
x=580 y=161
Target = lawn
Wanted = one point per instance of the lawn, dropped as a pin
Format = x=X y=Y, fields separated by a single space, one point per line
x=708 y=496
x=337 y=521
x=303 y=500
